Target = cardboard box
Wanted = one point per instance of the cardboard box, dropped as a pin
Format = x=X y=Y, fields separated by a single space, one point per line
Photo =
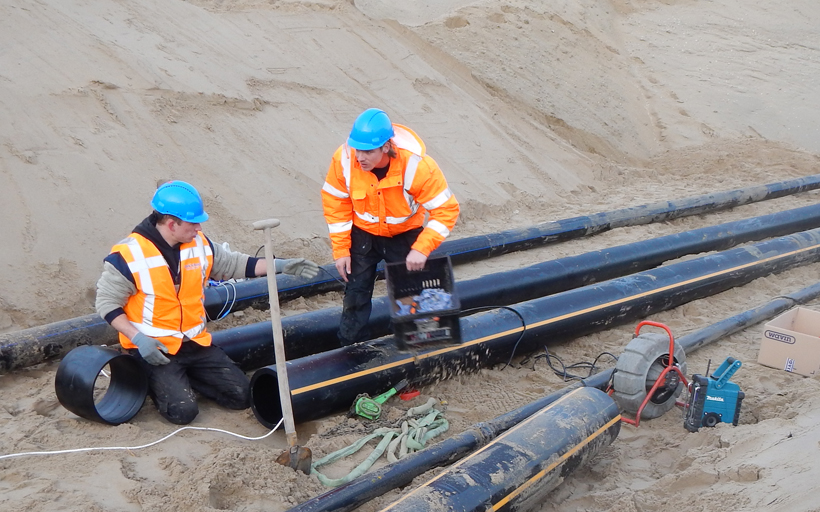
x=791 y=342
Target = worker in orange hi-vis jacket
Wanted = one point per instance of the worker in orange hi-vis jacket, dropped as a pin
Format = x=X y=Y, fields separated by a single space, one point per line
x=379 y=187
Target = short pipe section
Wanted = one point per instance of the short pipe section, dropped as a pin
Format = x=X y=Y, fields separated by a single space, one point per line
x=78 y=373
x=517 y=470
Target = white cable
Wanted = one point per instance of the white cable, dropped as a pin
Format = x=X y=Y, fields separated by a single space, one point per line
x=76 y=450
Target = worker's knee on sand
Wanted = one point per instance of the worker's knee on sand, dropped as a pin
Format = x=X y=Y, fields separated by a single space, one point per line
x=179 y=413
x=236 y=397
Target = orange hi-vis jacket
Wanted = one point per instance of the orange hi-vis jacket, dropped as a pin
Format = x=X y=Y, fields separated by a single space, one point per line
x=414 y=184
x=158 y=309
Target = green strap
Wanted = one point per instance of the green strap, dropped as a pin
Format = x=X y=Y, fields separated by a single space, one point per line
x=344 y=452
x=412 y=436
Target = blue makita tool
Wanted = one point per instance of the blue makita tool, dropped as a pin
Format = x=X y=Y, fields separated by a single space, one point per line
x=714 y=399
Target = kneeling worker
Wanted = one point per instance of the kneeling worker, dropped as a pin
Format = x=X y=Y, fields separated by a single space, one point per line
x=152 y=291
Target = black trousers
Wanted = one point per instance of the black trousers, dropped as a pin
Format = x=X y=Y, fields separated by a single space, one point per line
x=366 y=252
x=206 y=370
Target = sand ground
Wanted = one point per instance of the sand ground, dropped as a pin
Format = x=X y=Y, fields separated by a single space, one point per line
x=535 y=111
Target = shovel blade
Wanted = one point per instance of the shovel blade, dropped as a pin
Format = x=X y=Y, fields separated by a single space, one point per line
x=296 y=457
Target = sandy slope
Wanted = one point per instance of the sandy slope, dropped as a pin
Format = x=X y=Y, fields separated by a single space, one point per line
x=536 y=111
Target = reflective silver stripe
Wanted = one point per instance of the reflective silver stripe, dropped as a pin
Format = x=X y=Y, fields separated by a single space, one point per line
x=203 y=260
x=335 y=192
x=409 y=176
x=410 y=171
x=438 y=200
x=346 y=166
x=397 y=220
x=195 y=331
x=340 y=227
x=406 y=140
x=439 y=228
x=156 y=332
x=367 y=217
x=141 y=266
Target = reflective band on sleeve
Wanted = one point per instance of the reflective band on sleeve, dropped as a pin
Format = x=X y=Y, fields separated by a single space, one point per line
x=439 y=228
x=340 y=227
x=335 y=192
x=438 y=200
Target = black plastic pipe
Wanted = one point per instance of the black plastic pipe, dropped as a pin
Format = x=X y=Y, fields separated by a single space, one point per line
x=328 y=382
x=252 y=345
x=32 y=346
x=465 y=250
x=78 y=373
x=400 y=473
x=516 y=470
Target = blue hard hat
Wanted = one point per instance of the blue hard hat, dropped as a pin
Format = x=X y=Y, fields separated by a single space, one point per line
x=181 y=200
x=371 y=130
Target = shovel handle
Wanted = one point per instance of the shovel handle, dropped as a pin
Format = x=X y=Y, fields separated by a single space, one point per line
x=265 y=224
x=276 y=326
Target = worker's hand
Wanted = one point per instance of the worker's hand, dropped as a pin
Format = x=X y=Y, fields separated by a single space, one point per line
x=415 y=260
x=150 y=349
x=343 y=267
x=299 y=267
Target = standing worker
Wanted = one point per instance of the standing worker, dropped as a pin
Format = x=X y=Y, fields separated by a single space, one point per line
x=152 y=291
x=378 y=189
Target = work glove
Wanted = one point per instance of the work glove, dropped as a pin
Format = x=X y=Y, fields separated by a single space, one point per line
x=299 y=267
x=150 y=349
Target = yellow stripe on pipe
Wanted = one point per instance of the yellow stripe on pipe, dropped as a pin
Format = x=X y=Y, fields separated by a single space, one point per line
x=478 y=341
x=506 y=499
x=487 y=447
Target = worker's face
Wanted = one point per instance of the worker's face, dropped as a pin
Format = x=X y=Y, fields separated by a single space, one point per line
x=184 y=232
x=374 y=158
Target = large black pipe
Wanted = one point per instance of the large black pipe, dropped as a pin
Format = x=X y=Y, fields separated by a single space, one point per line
x=252 y=345
x=465 y=250
x=400 y=473
x=329 y=382
x=32 y=346
x=516 y=470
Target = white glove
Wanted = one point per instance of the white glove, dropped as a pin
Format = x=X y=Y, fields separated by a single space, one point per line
x=299 y=267
x=150 y=349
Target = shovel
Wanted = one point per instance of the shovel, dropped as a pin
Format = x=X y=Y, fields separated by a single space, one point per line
x=296 y=457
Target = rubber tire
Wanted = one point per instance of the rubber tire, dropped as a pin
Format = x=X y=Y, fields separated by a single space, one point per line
x=636 y=371
x=711 y=419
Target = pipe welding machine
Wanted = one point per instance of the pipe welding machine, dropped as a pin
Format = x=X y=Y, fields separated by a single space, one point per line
x=713 y=399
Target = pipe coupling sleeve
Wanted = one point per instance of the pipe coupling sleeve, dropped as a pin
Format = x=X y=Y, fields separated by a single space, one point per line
x=115 y=399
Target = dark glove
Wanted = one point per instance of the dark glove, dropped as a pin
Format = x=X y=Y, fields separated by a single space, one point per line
x=150 y=349
x=299 y=267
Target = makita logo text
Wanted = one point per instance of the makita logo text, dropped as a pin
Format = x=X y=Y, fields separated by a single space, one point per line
x=714 y=398
x=779 y=336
